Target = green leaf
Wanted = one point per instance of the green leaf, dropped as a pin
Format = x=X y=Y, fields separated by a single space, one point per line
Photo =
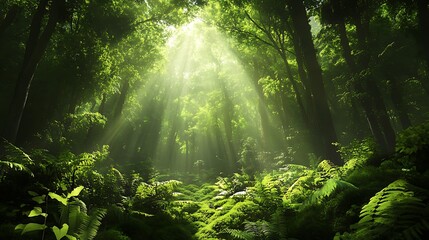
x=33 y=194
x=57 y=197
x=60 y=233
x=75 y=192
x=39 y=199
x=29 y=227
x=20 y=226
x=37 y=211
x=70 y=237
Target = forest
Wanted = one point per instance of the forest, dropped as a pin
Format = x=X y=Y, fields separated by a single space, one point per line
x=214 y=119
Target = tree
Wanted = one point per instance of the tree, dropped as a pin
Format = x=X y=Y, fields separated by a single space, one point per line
x=325 y=132
x=36 y=45
x=371 y=100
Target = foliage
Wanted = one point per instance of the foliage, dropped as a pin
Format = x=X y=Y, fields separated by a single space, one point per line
x=413 y=139
x=231 y=185
x=329 y=188
x=248 y=157
x=14 y=159
x=253 y=230
x=155 y=197
x=398 y=211
x=231 y=101
x=73 y=218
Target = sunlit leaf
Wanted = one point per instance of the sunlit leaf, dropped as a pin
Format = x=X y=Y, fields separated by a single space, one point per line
x=37 y=211
x=60 y=233
x=58 y=198
x=70 y=237
x=30 y=227
x=75 y=192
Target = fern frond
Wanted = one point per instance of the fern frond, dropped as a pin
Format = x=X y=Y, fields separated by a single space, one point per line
x=90 y=224
x=76 y=213
x=17 y=152
x=239 y=234
x=329 y=188
x=260 y=229
x=394 y=213
x=17 y=167
x=16 y=159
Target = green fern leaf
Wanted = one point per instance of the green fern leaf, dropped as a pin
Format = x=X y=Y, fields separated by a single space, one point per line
x=329 y=188
x=239 y=234
x=394 y=212
x=89 y=227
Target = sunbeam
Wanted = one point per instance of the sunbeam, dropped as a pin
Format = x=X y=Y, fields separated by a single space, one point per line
x=210 y=104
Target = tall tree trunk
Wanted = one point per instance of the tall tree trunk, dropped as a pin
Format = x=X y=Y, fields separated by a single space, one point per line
x=364 y=99
x=295 y=86
x=370 y=86
x=326 y=131
x=35 y=49
x=423 y=18
x=398 y=102
x=228 y=112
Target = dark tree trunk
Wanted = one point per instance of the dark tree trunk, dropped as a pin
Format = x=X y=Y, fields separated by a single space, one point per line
x=325 y=131
x=296 y=89
x=364 y=99
x=305 y=113
x=398 y=102
x=423 y=18
x=34 y=51
x=370 y=86
x=228 y=112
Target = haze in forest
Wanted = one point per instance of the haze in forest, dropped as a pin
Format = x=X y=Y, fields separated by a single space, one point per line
x=206 y=119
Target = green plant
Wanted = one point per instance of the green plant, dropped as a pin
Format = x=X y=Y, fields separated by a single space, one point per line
x=413 y=139
x=155 y=197
x=230 y=185
x=398 y=211
x=249 y=157
x=73 y=218
x=330 y=187
x=252 y=230
x=15 y=159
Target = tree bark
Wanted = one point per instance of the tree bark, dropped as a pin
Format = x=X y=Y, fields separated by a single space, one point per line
x=398 y=102
x=364 y=98
x=35 y=49
x=423 y=24
x=325 y=131
x=423 y=18
x=370 y=86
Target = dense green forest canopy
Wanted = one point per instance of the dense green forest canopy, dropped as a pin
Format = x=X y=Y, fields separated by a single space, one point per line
x=220 y=119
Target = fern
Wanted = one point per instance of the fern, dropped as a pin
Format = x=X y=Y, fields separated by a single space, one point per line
x=19 y=167
x=394 y=213
x=253 y=230
x=330 y=187
x=240 y=234
x=15 y=159
x=90 y=224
